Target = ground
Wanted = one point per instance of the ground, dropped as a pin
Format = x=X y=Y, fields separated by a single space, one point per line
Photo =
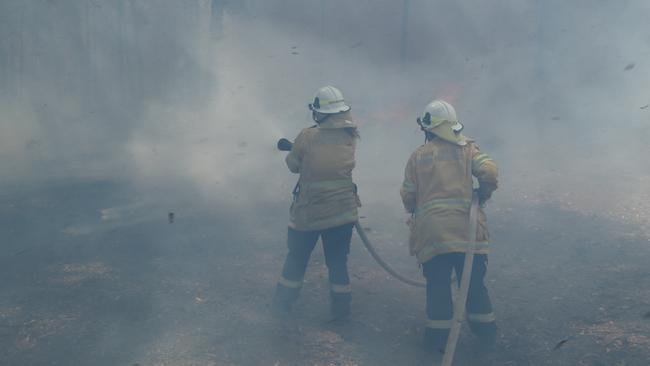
x=93 y=276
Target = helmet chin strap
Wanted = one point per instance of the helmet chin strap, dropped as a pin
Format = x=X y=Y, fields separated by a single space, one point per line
x=314 y=116
x=428 y=136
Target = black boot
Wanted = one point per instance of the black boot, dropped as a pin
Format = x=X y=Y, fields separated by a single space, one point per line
x=340 y=305
x=282 y=300
x=486 y=334
x=435 y=339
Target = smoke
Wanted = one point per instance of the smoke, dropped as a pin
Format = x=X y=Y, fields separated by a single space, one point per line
x=555 y=92
x=176 y=107
x=141 y=92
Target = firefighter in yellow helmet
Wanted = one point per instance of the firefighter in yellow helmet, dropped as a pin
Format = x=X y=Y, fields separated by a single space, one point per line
x=325 y=201
x=437 y=191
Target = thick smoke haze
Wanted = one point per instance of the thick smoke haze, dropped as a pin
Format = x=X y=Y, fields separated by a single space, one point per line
x=180 y=105
x=142 y=91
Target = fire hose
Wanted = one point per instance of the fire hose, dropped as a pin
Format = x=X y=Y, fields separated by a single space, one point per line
x=461 y=301
x=373 y=252
x=459 y=304
x=286 y=145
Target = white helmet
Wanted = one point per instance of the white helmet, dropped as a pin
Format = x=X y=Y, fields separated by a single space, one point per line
x=329 y=100
x=440 y=118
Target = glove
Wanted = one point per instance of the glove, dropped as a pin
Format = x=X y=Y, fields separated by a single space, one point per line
x=484 y=193
x=285 y=145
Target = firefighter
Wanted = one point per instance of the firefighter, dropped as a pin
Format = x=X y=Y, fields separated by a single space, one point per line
x=325 y=201
x=437 y=191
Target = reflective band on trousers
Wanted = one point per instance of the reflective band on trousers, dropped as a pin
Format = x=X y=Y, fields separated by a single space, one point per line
x=481 y=318
x=341 y=289
x=289 y=283
x=439 y=324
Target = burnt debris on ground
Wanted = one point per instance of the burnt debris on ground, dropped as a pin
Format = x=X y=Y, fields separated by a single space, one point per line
x=80 y=290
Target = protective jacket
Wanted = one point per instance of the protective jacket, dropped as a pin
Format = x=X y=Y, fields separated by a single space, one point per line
x=323 y=155
x=437 y=190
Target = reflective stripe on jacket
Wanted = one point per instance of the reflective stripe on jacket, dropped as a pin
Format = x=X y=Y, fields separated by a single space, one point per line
x=437 y=190
x=324 y=157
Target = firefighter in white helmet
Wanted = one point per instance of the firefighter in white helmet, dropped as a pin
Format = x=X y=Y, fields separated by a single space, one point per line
x=437 y=191
x=325 y=201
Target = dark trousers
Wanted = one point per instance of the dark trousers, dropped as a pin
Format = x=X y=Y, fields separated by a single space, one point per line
x=437 y=272
x=336 y=245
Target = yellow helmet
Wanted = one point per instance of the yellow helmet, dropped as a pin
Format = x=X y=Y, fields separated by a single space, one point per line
x=439 y=118
x=329 y=100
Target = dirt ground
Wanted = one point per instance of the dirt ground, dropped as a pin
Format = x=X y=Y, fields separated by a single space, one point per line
x=90 y=278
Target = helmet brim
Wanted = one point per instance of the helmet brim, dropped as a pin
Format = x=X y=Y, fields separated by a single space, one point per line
x=343 y=108
x=450 y=132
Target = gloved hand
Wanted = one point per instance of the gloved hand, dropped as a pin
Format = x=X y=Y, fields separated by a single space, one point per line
x=484 y=193
x=285 y=145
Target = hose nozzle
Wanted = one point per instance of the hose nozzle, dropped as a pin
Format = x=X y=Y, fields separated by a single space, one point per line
x=284 y=145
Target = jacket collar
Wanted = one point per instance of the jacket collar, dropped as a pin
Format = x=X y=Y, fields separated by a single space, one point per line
x=339 y=120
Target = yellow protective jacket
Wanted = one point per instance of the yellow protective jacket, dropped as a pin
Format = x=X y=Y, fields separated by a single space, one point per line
x=437 y=189
x=323 y=155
